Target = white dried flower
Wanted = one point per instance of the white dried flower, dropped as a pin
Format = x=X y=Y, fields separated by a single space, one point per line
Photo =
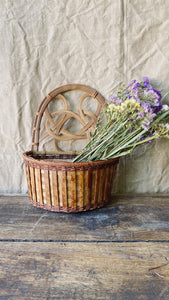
x=165 y=107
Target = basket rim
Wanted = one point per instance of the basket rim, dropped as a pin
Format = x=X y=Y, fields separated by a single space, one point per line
x=28 y=158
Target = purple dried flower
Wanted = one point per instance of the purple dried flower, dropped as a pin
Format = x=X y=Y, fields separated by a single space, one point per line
x=145 y=79
x=159 y=94
x=131 y=83
x=141 y=115
x=134 y=87
x=146 y=106
x=157 y=108
x=112 y=98
x=119 y=101
x=148 y=142
x=147 y=123
x=146 y=83
x=148 y=86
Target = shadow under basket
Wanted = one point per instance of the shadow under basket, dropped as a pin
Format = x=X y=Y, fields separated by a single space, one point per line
x=55 y=182
x=58 y=185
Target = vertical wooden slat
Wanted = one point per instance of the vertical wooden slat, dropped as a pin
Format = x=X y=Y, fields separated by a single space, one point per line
x=69 y=192
x=32 y=175
x=101 y=186
x=93 y=187
x=62 y=189
x=71 y=189
x=38 y=181
x=85 y=190
x=54 y=188
x=73 y=181
x=28 y=181
x=46 y=187
x=80 y=188
x=96 y=187
x=89 y=185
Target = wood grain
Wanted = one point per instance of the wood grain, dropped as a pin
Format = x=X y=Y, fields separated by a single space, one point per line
x=126 y=218
x=119 y=252
x=123 y=271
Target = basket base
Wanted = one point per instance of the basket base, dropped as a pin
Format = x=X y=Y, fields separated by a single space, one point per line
x=69 y=209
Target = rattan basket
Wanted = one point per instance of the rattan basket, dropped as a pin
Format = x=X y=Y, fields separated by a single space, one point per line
x=54 y=182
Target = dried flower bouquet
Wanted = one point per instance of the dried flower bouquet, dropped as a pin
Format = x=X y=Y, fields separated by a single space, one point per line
x=136 y=115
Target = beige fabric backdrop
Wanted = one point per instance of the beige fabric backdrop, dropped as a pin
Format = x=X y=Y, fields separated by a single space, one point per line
x=47 y=43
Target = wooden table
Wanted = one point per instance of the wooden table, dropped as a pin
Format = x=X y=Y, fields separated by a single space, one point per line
x=118 y=252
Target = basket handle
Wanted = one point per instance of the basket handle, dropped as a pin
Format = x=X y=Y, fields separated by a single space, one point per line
x=43 y=105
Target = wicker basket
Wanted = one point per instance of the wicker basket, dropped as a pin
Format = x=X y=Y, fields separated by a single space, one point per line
x=54 y=182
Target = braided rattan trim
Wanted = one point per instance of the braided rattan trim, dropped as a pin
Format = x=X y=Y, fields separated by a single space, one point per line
x=68 y=209
x=66 y=168
x=43 y=163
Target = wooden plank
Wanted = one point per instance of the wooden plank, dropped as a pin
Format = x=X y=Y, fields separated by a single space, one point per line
x=84 y=271
x=125 y=218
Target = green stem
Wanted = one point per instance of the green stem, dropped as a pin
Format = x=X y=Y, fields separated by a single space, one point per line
x=112 y=141
x=164 y=96
x=96 y=145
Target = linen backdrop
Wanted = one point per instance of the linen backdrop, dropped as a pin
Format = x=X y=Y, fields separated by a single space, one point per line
x=101 y=43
